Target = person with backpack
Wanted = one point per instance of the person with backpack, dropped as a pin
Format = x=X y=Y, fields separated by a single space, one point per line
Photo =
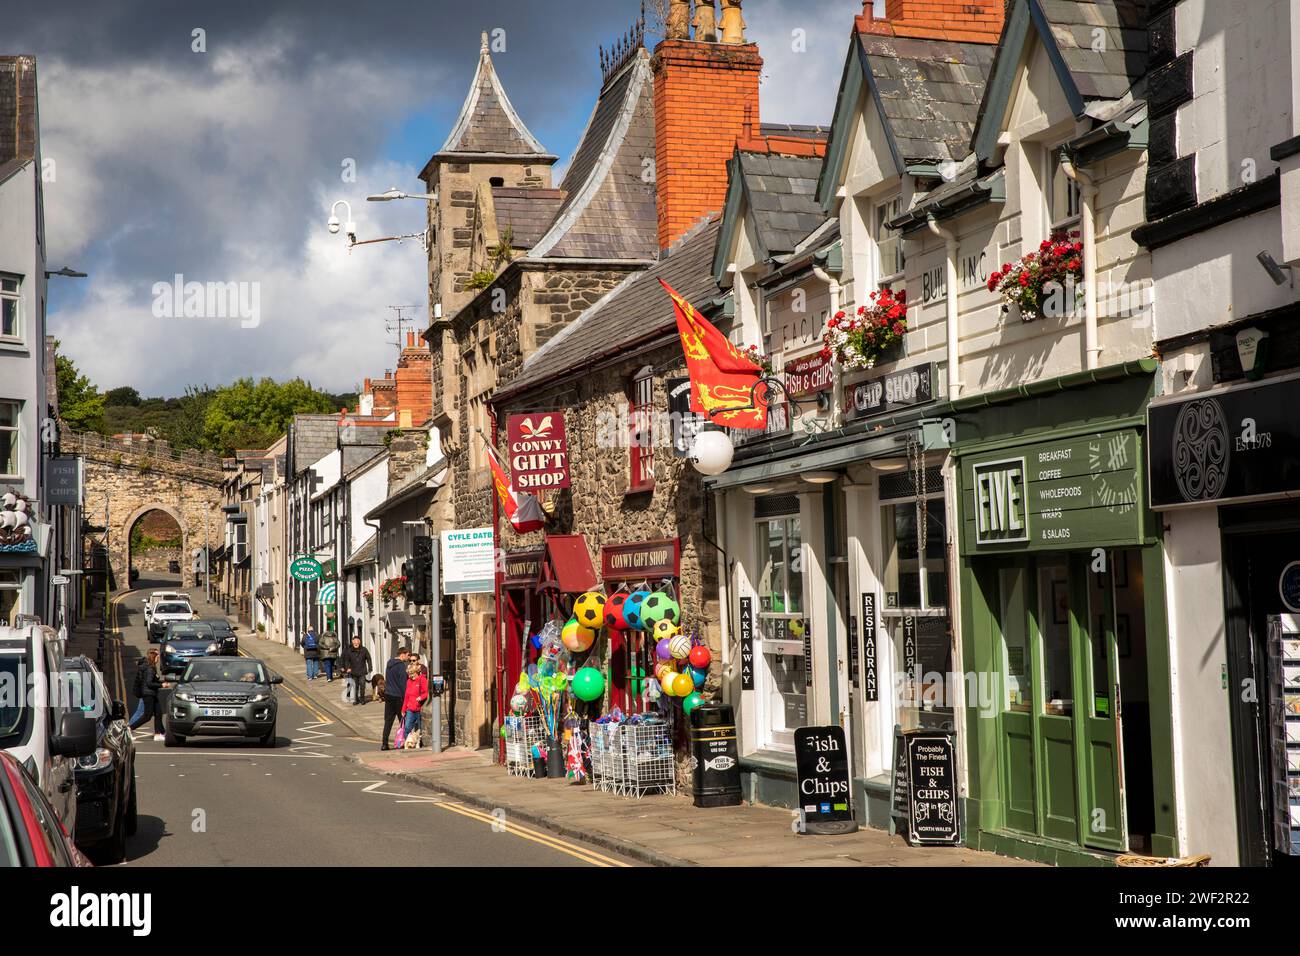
x=148 y=686
x=329 y=652
x=311 y=651
x=356 y=667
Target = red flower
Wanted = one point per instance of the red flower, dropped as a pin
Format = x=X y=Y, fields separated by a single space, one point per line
x=826 y=352
x=1078 y=247
x=898 y=328
x=1024 y=279
x=1073 y=265
x=839 y=314
x=895 y=312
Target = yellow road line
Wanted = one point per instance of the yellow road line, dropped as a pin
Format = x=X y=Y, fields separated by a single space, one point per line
x=573 y=850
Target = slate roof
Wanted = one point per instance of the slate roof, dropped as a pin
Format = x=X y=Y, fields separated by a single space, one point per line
x=365 y=554
x=488 y=124
x=313 y=437
x=797 y=130
x=526 y=212
x=637 y=310
x=930 y=92
x=1107 y=74
x=608 y=210
x=781 y=192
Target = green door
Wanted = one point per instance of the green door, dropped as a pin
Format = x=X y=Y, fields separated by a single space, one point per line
x=1101 y=752
x=1056 y=636
x=1018 y=661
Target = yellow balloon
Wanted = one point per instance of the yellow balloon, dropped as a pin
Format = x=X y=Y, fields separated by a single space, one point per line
x=663 y=667
x=683 y=686
x=576 y=637
x=665 y=630
x=668 y=679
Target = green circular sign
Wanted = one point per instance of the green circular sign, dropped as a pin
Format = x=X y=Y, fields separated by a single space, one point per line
x=305 y=569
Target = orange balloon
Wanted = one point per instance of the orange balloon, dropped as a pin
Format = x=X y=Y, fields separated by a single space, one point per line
x=668 y=680
x=683 y=685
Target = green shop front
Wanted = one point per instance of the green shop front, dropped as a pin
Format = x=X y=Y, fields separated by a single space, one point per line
x=1062 y=622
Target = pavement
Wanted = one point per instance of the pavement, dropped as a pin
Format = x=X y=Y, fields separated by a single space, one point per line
x=658 y=829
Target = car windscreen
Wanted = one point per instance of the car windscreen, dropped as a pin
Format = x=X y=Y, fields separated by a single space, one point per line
x=224 y=669
x=173 y=609
x=14 y=713
x=188 y=631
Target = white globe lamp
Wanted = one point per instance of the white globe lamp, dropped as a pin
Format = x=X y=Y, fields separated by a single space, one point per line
x=711 y=452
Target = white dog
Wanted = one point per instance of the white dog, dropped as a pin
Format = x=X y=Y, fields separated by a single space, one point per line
x=412 y=741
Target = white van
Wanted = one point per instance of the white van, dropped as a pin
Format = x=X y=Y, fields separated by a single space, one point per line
x=38 y=724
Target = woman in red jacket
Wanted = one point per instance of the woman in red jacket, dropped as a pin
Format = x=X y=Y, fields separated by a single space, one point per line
x=417 y=692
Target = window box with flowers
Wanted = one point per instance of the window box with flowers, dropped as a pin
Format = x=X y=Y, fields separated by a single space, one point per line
x=873 y=335
x=1048 y=281
x=368 y=595
x=391 y=589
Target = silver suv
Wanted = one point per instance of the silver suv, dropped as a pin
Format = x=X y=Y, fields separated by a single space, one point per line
x=222 y=697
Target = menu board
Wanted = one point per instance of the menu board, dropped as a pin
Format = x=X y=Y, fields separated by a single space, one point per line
x=822 y=766
x=932 y=818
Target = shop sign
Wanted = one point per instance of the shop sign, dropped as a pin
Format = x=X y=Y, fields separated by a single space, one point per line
x=641 y=560
x=522 y=568
x=746 y=643
x=63 y=481
x=972 y=273
x=304 y=568
x=909 y=645
x=822 y=767
x=855 y=660
x=468 y=561
x=538 y=451
x=685 y=423
x=809 y=375
x=871 y=689
x=932 y=790
x=1068 y=493
x=898 y=389
x=1234 y=444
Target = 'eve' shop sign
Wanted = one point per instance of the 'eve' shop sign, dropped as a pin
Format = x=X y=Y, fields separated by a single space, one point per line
x=539 y=451
x=822 y=767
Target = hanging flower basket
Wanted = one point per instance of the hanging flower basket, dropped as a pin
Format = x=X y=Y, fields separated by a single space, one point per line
x=392 y=588
x=1047 y=281
x=874 y=334
x=758 y=358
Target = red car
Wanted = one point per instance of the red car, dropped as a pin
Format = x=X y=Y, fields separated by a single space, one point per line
x=30 y=832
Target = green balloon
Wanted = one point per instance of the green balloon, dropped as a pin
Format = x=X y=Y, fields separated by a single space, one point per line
x=692 y=701
x=588 y=684
x=503 y=731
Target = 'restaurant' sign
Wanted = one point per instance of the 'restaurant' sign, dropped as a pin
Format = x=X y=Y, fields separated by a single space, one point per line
x=538 y=451
x=898 y=389
x=641 y=560
x=809 y=375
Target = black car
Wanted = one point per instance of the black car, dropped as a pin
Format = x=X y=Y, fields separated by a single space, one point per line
x=183 y=641
x=105 y=779
x=222 y=697
x=224 y=632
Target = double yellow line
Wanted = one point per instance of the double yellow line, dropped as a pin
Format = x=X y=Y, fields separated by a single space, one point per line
x=554 y=843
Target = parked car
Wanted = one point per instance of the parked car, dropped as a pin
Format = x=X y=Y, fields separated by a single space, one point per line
x=182 y=641
x=36 y=726
x=222 y=697
x=106 y=795
x=31 y=833
x=164 y=613
x=224 y=631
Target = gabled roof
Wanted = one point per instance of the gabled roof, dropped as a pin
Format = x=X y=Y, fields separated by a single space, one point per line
x=526 y=212
x=1071 y=33
x=779 y=194
x=926 y=92
x=636 y=311
x=488 y=124
x=609 y=207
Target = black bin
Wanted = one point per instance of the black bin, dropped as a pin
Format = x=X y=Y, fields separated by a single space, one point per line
x=715 y=761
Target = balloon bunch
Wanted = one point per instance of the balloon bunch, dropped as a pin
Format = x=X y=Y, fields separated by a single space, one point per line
x=681 y=665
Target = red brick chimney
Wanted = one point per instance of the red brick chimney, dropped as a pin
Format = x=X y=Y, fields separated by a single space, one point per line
x=962 y=21
x=705 y=95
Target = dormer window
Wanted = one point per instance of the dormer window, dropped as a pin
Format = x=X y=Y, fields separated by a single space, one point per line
x=889 y=245
x=1062 y=195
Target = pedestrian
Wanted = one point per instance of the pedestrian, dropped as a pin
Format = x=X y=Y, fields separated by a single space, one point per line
x=329 y=652
x=356 y=666
x=311 y=651
x=417 y=692
x=394 y=690
x=148 y=686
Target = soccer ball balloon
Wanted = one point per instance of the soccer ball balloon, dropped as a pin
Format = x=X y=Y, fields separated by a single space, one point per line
x=659 y=606
x=632 y=609
x=665 y=630
x=589 y=609
x=614 y=619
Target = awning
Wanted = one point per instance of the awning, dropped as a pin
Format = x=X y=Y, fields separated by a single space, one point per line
x=399 y=620
x=566 y=565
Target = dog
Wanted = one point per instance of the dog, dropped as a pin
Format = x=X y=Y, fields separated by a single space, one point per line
x=377 y=687
x=412 y=741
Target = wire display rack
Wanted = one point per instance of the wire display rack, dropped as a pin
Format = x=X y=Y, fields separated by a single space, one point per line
x=521 y=734
x=632 y=759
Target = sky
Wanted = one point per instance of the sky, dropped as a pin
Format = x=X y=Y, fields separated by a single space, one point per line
x=216 y=157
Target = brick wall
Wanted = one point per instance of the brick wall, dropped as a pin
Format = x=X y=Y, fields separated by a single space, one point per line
x=962 y=21
x=706 y=96
x=413 y=380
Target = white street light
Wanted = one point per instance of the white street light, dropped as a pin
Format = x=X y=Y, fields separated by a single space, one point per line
x=392 y=192
x=711 y=452
x=334 y=223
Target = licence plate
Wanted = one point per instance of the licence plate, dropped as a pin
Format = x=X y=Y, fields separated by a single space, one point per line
x=219 y=712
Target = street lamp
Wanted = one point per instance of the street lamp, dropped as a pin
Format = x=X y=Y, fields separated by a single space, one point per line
x=334 y=221
x=712 y=450
x=66 y=271
x=392 y=192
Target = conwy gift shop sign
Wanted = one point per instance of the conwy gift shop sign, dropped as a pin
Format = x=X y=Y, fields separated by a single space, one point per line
x=538 y=451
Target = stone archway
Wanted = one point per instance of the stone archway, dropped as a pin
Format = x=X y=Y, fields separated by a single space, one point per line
x=186 y=562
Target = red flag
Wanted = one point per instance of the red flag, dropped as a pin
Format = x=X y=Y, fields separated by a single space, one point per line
x=724 y=384
x=523 y=512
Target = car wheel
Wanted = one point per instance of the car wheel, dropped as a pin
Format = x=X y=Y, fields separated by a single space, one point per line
x=132 y=808
x=268 y=739
x=172 y=740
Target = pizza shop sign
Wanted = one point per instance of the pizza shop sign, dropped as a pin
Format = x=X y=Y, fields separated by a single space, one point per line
x=538 y=451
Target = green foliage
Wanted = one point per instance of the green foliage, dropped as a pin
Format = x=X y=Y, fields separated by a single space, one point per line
x=481 y=279
x=248 y=414
x=123 y=396
x=80 y=403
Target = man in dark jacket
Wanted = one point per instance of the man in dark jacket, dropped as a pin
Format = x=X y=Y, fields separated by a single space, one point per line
x=356 y=667
x=394 y=690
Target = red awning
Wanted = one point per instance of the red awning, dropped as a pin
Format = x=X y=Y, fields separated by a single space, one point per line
x=566 y=565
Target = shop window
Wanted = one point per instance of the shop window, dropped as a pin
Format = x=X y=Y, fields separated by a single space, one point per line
x=10 y=309
x=9 y=434
x=10 y=596
x=1054 y=623
x=783 y=667
x=641 y=452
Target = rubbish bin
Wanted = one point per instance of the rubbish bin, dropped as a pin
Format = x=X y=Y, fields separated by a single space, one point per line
x=715 y=761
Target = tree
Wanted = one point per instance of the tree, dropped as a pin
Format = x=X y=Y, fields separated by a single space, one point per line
x=122 y=397
x=248 y=414
x=81 y=405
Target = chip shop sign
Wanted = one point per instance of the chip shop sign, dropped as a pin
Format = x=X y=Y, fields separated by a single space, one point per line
x=898 y=389
x=538 y=451
x=809 y=375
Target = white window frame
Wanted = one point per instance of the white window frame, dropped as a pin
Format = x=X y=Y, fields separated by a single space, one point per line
x=769 y=738
x=16 y=297
x=882 y=212
x=17 y=429
x=11 y=579
x=1051 y=167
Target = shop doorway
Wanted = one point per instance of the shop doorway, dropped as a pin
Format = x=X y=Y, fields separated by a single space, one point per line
x=1073 y=726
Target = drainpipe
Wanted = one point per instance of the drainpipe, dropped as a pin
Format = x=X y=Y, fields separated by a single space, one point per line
x=834 y=288
x=1088 y=199
x=950 y=298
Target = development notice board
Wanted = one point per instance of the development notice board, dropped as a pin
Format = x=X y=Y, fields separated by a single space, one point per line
x=468 y=561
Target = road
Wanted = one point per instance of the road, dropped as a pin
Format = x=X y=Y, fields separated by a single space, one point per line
x=223 y=803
